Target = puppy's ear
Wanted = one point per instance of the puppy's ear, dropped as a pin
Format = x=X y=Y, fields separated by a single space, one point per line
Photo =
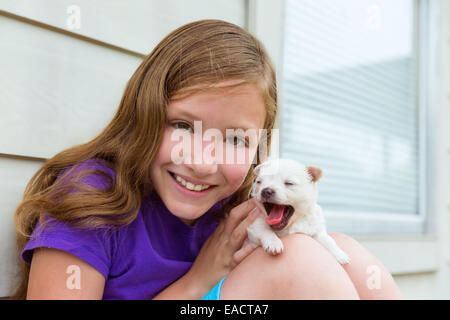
x=258 y=168
x=315 y=173
x=250 y=193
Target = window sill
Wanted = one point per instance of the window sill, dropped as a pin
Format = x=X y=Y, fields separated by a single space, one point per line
x=362 y=223
x=403 y=254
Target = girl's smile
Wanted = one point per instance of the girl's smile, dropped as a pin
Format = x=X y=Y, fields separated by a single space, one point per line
x=190 y=189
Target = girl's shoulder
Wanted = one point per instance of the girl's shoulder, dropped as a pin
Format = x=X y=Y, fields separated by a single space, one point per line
x=94 y=172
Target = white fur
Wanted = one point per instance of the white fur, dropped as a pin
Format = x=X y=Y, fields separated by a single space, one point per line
x=307 y=217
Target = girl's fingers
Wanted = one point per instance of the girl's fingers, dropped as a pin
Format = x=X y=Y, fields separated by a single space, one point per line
x=239 y=234
x=242 y=253
x=237 y=214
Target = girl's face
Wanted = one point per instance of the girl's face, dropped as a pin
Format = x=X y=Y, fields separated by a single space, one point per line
x=178 y=176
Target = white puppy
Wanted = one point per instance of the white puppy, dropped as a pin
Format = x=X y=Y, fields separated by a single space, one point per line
x=286 y=191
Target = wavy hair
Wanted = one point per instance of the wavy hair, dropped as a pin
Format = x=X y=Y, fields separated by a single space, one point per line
x=186 y=61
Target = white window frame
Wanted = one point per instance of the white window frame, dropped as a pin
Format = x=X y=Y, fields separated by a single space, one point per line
x=360 y=223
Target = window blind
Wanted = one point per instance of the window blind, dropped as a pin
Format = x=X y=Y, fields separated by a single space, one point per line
x=349 y=101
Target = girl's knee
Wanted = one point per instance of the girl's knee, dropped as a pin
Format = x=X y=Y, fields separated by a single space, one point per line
x=313 y=272
x=370 y=277
x=304 y=270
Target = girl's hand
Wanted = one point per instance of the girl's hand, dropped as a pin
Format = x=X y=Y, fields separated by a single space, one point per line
x=222 y=251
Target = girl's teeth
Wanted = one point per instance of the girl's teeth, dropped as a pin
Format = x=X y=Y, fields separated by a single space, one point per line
x=191 y=186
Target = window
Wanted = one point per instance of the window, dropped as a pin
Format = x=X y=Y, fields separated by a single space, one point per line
x=352 y=106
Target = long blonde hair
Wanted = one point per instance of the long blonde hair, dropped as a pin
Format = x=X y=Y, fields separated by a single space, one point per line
x=195 y=55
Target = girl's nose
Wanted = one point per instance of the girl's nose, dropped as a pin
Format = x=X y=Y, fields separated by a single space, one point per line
x=206 y=163
x=203 y=169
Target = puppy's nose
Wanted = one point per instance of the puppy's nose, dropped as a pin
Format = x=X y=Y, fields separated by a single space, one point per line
x=267 y=193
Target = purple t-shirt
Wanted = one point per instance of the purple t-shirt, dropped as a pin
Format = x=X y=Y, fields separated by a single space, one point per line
x=138 y=260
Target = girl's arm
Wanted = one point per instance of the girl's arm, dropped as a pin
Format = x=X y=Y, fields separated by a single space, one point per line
x=57 y=274
x=185 y=288
x=219 y=255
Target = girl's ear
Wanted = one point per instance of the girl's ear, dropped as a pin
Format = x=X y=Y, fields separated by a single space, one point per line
x=315 y=173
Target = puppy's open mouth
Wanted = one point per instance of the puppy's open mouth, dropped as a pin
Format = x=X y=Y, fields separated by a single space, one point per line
x=278 y=215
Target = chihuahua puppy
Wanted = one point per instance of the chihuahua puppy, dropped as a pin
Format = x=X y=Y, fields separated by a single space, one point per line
x=286 y=191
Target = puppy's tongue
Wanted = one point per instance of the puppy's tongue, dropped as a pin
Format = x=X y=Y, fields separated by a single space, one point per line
x=275 y=215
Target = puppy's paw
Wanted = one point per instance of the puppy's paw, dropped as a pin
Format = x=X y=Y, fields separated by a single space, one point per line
x=272 y=245
x=343 y=258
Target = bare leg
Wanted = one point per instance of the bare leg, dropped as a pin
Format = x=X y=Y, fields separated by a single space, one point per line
x=305 y=270
x=371 y=279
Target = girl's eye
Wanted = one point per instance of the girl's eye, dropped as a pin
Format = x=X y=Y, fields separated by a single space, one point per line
x=288 y=183
x=237 y=141
x=183 y=126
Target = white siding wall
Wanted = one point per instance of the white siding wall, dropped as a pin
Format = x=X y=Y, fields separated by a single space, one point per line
x=59 y=87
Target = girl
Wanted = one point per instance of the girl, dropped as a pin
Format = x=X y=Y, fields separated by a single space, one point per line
x=117 y=218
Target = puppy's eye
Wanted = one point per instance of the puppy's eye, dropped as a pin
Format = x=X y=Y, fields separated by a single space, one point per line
x=258 y=181
x=288 y=183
